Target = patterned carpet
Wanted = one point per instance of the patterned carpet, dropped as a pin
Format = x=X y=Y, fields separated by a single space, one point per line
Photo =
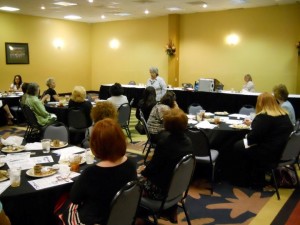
x=228 y=204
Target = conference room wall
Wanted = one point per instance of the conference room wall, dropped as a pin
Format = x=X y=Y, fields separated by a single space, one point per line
x=267 y=48
x=142 y=44
x=69 y=65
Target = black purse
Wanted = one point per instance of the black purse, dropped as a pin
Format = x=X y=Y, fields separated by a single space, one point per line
x=140 y=128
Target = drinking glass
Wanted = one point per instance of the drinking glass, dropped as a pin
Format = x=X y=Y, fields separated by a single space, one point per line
x=46 y=145
x=15 y=176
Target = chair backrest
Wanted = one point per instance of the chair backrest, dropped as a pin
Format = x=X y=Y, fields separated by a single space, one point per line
x=145 y=125
x=194 y=108
x=247 y=109
x=57 y=131
x=77 y=119
x=292 y=147
x=30 y=117
x=181 y=179
x=124 y=205
x=132 y=82
x=124 y=112
x=131 y=102
x=200 y=142
x=297 y=126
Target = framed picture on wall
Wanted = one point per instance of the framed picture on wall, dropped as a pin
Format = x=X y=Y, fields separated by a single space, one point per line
x=16 y=53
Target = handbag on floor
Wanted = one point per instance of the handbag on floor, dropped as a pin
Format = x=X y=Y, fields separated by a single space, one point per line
x=286 y=177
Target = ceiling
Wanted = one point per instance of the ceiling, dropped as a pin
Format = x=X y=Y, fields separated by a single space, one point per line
x=129 y=9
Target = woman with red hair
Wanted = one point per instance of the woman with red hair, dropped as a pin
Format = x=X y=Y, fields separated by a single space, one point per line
x=98 y=184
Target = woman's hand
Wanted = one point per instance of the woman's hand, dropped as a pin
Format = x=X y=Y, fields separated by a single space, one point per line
x=247 y=121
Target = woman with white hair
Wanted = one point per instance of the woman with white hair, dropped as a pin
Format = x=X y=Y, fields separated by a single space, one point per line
x=50 y=82
x=157 y=82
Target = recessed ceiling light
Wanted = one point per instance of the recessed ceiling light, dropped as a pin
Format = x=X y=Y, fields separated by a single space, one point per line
x=72 y=17
x=122 y=14
x=146 y=11
x=43 y=7
x=172 y=9
x=91 y=1
x=103 y=17
x=8 y=8
x=204 y=5
x=65 y=3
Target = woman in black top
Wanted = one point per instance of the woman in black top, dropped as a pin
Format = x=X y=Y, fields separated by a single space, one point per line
x=265 y=142
x=78 y=101
x=146 y=103
x=98 y=184
x=51 y=90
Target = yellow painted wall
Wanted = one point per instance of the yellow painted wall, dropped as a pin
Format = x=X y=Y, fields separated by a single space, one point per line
x=142 y=45
x=70 y=65
x=267 y=49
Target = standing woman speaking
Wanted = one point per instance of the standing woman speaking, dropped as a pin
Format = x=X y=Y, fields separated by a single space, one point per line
x=157 y=82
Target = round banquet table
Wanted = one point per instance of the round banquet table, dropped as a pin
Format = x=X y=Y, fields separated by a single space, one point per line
x=60 y=111
x=26 y=206
x=222 y=138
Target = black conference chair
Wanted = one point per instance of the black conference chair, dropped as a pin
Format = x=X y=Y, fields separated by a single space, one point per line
x=177 y=191
x=202 y=151
x=56 y=131
x=78 y=124
x=247 y=110
x=194 y=108
x=148 y=143
x=34 y=130
x=288 y=159
x=124 y=205
x=124 y=113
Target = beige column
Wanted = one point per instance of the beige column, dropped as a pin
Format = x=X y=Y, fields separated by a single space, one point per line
x=173 y=61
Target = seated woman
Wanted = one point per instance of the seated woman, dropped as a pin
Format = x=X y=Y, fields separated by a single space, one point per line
x=264 y=143
x=281 y=94
x=155 y=121
x=78 y=101
x=9 y=116
x=32 y=100
x=173 y=144
x=117 y=97
x=146 y=103
x=101 y=111
x=50 y=82
x=97 y=185
x=16 y=84
x=249 y=85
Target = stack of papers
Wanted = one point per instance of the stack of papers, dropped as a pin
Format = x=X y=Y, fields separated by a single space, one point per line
x=205 y=125
x=52 y=181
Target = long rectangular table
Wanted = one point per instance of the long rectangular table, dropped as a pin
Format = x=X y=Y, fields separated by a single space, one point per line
x=210 y=101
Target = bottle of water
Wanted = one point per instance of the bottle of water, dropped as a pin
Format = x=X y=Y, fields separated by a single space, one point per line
x=196 y=85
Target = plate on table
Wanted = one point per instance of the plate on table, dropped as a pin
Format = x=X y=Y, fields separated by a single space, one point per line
x=46 y=171
x=3 y=175
x=61 y=144
x=210 y=120
x=221 y=113
x=12 y=149
x=239 y=126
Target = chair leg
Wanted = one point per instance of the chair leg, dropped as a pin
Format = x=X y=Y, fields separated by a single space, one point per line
x=186 y=213
x=275 y=184
x=145 y=145
x=147 y=153
x=212 y=179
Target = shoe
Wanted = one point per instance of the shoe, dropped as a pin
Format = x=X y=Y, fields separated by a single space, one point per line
x=10 y=122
